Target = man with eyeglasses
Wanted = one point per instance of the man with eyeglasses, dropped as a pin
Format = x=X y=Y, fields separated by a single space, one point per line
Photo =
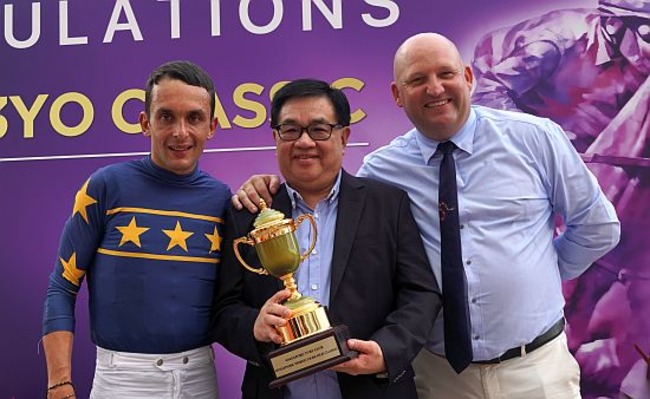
x=369 y=266
x=587 y=69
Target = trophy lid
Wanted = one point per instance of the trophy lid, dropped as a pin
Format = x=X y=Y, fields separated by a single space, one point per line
x=267 y=216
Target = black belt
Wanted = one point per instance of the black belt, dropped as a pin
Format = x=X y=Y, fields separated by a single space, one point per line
x=538 y=342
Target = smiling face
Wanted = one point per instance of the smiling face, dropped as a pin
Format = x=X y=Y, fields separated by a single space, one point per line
x=179 y=124
x=309 y=166
x=432 y=85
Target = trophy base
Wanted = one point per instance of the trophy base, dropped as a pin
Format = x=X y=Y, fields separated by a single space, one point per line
x=311 y=354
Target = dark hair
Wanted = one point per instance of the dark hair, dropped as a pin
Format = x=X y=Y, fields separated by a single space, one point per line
x=311 y=88
x=184 y=71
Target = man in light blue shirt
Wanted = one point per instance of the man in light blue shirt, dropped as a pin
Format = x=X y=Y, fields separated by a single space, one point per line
x=515 y=173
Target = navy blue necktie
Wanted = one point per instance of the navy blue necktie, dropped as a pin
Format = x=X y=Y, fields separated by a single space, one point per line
x=458 y=345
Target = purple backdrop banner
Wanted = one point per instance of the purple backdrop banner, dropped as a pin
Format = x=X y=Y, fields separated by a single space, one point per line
x=72 y=75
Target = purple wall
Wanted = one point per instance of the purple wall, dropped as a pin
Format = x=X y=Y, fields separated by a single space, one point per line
x=36 y=195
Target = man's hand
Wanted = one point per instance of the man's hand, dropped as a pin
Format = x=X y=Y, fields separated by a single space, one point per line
x=256 y=187
x=369 y=361
x=272 y=315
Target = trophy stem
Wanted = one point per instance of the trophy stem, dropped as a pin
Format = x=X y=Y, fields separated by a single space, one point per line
x=290 y=284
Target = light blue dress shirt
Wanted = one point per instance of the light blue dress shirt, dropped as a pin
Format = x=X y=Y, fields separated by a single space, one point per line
x=514 y=172
x=313 y=278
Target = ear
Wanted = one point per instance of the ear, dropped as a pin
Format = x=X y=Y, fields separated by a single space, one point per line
x=469 y=76
x=395 y=91
x=276 y=140
x=345 y=135
x=144 y=124
x=213 y=128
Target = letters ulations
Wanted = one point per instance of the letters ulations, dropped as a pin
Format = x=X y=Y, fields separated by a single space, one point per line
x=125 y=18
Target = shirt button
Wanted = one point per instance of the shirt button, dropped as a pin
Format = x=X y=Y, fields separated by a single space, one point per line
x=469 y=262
x=473 y=300
x=476 y=337
x=462 y=226
x=185 y=360
x=159 y=362
x=314 y=286
x=315 y=252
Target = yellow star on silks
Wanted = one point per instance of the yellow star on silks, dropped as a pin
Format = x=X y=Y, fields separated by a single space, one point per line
x=215 y=239
x=82 y=200
x=70 y=271
x=131 y=232
x=177 y=237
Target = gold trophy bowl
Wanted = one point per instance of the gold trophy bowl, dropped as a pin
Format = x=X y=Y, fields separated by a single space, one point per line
x=310 y=343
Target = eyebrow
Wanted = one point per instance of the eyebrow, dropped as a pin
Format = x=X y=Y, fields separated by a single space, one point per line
x=312 y=121
x=190 y=112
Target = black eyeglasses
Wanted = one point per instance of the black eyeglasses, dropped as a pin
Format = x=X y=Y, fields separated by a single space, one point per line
x=316 y=131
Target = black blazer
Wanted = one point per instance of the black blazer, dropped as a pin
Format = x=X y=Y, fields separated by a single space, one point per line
x=382 y=288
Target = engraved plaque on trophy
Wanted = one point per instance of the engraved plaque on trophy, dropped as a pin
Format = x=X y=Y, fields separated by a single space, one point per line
x=310 y=343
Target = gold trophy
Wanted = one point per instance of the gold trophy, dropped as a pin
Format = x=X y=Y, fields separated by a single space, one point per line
x=310 y=343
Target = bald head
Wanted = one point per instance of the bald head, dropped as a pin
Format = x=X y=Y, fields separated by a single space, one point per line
x=427 y=41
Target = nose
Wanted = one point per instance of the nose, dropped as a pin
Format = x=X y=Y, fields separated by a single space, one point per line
x=180 y=130
x=305 y=140
x=434 y=87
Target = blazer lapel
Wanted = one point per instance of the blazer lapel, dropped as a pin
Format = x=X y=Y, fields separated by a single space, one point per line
x=352 y=198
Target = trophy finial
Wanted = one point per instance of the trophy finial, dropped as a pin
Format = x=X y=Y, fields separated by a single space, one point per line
x=267 y=215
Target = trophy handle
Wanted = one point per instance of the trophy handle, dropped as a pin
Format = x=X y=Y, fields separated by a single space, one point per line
x=235 y=247
x=313 y=240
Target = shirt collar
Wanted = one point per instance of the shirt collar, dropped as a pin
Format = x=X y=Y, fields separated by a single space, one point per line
x=464 y=138
x=332 y=196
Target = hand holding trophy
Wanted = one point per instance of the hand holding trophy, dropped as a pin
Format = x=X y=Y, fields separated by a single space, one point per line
x=310 y=343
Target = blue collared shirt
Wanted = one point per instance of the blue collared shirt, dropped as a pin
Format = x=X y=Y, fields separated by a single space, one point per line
x=514 y=173
x=314 y=279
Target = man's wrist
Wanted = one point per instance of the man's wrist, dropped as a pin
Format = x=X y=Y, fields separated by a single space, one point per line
x=52 y=390
x=60 y=384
